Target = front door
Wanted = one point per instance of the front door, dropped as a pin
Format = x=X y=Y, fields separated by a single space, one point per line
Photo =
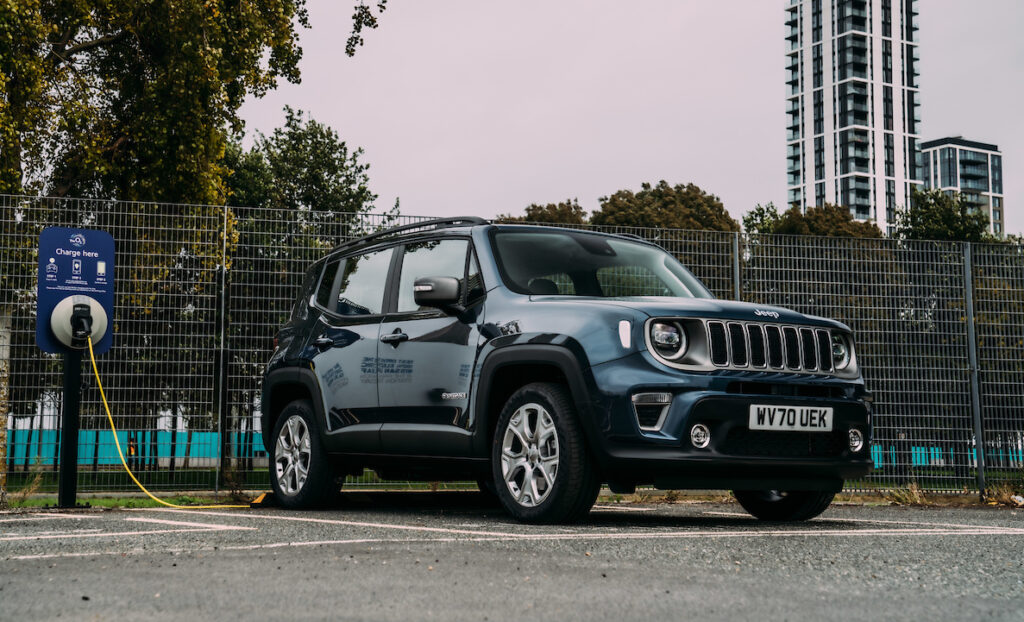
x=426 y=358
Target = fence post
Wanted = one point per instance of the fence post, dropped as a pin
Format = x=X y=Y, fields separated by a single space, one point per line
x=220 y=382
x=736 y=290
x=972 y=362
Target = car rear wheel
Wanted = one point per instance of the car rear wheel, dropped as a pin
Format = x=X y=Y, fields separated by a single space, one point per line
x=300 y=474
x=782 y=505
x=542 y=471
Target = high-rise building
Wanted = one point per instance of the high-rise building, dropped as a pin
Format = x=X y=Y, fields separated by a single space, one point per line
x=853 y=105
x=973 y=169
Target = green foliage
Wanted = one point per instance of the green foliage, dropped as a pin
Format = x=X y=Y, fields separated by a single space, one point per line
x=133 y=99
x=302 y=166
x=826 y=220
x=761 y=219
x=665 y=207
x=362 y=18
x=935 y=215
x=568 y=212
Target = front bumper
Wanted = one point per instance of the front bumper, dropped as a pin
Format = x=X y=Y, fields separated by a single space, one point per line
x=737 y=457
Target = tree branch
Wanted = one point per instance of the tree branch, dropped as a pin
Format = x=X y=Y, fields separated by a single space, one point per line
x=67 y=52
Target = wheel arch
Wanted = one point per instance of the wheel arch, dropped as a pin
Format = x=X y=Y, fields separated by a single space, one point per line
x=280 y=388
x=507 y=369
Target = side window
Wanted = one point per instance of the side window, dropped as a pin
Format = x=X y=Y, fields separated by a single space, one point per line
x=323 y=292
x=433 y=258
x=474 y=283
x=362 y=284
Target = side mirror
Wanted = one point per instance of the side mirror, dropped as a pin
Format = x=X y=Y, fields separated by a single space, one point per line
x=441 y=292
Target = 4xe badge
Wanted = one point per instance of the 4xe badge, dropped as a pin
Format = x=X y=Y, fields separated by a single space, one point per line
x=771 y=314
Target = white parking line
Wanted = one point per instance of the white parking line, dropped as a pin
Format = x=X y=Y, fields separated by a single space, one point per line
x=210 y=526
x=349 y=523
x=39 y=516
x=104 y=534
x=885 y=522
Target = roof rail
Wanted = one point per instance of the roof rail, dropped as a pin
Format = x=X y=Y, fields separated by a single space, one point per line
x=435 y=223
x=632 y=236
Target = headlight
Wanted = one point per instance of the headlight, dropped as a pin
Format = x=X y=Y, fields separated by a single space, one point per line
x=668 y=339
x=840 y=351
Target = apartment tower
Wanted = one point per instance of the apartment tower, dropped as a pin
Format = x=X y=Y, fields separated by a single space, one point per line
x=972 y=169
x=853 y=105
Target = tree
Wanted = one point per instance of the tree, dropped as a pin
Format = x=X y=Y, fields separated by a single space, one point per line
x=135 y=99
x=665 y=207
x=827 y=220
x=761 y=219
x=936 y=215
x=568 y=212
x=302 y=166
x=301 y=190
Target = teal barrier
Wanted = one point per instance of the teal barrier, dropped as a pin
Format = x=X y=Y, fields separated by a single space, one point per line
x=97 y=446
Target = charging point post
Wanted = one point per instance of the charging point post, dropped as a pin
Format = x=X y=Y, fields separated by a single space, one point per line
x=75 y=304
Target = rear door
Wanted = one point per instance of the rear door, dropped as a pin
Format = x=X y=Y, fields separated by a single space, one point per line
x=346 y=338
x=426 y=356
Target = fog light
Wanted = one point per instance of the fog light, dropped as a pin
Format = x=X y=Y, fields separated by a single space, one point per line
x=856 y=440
x=700 y=436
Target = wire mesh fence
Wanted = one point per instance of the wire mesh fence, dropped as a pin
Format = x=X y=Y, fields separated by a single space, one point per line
x=203 y=289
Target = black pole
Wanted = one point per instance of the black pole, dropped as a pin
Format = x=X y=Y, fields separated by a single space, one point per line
x=67 y=489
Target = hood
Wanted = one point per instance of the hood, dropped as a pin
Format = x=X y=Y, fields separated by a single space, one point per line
x=710 y=308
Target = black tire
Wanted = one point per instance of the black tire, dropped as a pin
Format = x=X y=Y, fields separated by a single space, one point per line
x=575 y=485
x=784 y=506
x=321 y=485
x=488 y=493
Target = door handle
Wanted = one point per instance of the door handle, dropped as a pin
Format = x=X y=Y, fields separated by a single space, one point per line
x=323 y=342
x=395 y=338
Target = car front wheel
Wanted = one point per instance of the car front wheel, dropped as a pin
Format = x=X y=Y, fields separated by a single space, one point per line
x=781 y=505
x=542 y=471
x=300 y=474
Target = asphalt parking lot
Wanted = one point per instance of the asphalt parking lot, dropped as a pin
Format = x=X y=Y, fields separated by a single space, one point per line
x=450 y=556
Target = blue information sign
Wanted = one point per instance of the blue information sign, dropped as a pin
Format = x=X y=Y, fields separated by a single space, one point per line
x=74 y=262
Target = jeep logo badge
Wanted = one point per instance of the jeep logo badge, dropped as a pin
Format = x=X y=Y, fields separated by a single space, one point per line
x=771 y=314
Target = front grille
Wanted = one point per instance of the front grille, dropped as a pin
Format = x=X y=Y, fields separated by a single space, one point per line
x=745 y=345
x=772 y=444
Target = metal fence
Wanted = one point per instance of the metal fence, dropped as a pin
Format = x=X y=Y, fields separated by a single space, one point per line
x=202 y=290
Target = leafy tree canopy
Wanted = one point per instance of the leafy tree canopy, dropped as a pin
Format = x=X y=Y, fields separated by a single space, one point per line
x=825 y=220
x=935 y=215
x=135 y=99
x=664 y=206
x=568 y=212
x=302 y=165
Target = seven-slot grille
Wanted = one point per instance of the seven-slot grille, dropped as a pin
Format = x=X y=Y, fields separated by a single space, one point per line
x=753 y=345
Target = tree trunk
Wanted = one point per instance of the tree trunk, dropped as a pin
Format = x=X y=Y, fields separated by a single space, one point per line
x=5 y=383
x=28 y=443
x=188 y=444
x=174 y=434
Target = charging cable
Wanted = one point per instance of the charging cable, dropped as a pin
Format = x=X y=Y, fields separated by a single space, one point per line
x=120 y=453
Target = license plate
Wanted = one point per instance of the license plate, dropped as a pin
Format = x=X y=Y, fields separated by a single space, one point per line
x=804 y=418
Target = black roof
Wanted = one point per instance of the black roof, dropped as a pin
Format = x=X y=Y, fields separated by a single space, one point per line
x=960 y=141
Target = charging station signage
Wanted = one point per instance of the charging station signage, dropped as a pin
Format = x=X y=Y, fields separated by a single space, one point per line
x=73 y=262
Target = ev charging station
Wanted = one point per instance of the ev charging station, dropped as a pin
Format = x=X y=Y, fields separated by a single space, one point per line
x=75 y=303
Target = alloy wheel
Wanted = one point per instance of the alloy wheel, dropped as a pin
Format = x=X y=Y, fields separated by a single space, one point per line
x=529 y=455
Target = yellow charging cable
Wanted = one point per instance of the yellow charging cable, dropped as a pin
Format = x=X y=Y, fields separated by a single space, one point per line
x=120 y=453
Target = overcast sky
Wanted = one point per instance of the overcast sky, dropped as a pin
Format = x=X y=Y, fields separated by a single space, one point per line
x=469 y=107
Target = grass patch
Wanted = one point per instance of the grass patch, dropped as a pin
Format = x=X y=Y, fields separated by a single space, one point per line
x=117 y=502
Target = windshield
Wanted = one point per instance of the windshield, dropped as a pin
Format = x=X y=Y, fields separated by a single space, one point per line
x=570 y=263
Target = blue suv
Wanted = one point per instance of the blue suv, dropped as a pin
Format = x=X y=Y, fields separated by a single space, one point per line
x=543 y=362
